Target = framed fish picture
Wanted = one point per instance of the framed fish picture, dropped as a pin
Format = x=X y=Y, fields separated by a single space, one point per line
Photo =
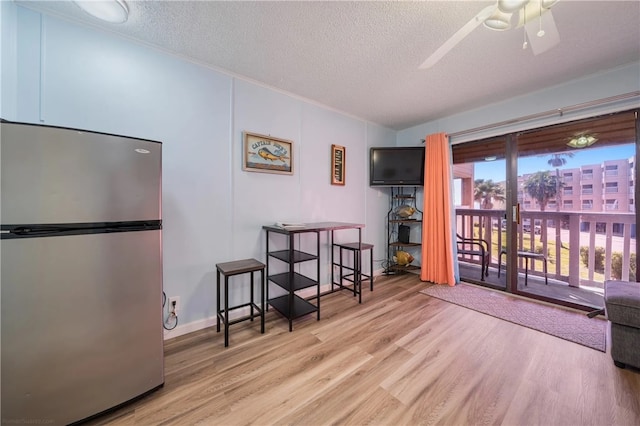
x=267 y=154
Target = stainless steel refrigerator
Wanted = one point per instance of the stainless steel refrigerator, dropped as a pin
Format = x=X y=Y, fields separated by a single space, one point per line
x=81 y=277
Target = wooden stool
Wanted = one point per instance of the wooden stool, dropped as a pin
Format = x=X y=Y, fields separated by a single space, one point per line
x=356 y=276
x=229 y=269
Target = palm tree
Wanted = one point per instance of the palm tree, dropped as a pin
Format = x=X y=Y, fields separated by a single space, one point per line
x=557 y=160
x=486 y=192
x=542 y=187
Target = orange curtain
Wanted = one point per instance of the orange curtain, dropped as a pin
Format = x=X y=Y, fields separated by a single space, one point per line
x=437 y=242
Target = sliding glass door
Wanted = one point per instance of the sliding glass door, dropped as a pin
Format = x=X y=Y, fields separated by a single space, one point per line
x=480 y=190
x=556 y=203
x=575 y=186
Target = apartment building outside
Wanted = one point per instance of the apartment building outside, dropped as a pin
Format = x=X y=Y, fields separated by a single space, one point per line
x=606 y=187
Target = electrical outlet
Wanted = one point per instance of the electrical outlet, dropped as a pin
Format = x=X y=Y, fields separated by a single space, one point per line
x=174 y=304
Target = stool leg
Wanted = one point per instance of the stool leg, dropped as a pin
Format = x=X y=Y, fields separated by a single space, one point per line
x=357 y=275
x=251 y=293
x=218 y=302
x=341 y=273
x=371 y=268
x=333 y=268
x=526 y=270
x=226 y=311
x=355 y=272
x=545 y=272
x=262 y=301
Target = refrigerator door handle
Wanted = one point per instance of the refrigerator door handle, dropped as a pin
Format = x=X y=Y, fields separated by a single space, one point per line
x=40 y=230
x=27 y=230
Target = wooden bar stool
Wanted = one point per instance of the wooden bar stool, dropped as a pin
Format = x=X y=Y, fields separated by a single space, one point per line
x=354 y=274
x=229 y=269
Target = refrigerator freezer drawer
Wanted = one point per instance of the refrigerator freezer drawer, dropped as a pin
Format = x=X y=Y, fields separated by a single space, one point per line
x=81 y=324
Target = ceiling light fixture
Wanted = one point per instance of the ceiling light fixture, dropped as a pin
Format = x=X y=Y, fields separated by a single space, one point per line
x=490 y=158
x=582 y=141
x=498 y=21
x=510 y=6
x=114 y=11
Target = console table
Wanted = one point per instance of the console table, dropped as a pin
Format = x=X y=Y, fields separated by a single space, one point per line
x=291 y=305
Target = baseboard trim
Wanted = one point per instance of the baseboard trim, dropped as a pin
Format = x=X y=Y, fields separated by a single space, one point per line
x=182 y=329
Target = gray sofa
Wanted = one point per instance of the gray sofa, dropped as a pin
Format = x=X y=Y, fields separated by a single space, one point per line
x=622 y=306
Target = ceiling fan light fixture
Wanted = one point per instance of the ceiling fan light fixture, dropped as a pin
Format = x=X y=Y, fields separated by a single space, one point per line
x=499 y=21
x=510 y=6
x=548 y=3
x=113 y=11
x=582 y=141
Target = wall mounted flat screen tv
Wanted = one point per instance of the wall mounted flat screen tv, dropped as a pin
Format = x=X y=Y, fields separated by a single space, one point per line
x=397 y=166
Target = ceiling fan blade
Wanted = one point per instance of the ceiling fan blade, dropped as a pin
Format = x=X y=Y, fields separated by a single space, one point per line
x=457 y=37
x=550 y=37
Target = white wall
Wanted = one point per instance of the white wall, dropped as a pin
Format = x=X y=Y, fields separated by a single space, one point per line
x=65 y=74
x=613 y=82
x=610 y=83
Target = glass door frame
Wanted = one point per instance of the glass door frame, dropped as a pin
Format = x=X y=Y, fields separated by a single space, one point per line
x=511 y=156
x=511 y=213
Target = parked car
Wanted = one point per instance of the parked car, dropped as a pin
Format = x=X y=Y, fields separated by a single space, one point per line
x=526 y=226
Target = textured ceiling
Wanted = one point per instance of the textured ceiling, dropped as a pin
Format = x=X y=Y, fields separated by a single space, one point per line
x=362 y=58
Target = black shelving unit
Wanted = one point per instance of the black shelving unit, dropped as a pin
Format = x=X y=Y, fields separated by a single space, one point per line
x=291 y=305
x=401 y=196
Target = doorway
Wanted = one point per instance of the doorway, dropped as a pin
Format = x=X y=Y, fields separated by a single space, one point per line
x=558 y=205
x=480 y=189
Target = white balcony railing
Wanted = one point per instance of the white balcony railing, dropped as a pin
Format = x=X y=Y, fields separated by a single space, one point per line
x=560 y=235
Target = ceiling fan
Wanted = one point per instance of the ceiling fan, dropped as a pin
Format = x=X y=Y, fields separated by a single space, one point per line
x=534 y=15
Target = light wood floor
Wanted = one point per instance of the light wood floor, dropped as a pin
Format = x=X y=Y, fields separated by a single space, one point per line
x=399 y=358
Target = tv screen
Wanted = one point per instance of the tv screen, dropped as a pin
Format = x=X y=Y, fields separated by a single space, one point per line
x=397 y=166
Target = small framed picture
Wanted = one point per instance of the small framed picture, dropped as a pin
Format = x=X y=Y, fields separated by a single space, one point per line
x=267 y=154
x=337 y=164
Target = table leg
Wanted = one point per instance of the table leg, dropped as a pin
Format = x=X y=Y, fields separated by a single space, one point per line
x=251 y=294
x=262 y=301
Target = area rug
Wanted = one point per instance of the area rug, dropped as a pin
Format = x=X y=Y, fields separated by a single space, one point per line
x=573 y=326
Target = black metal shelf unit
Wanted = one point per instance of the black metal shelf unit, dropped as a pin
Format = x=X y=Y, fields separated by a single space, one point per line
x=400 y=228
x=292 y=305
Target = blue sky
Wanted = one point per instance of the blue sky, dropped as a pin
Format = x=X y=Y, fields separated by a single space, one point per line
x=496 y=170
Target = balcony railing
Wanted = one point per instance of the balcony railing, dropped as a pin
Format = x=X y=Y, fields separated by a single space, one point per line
x=582 y=248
